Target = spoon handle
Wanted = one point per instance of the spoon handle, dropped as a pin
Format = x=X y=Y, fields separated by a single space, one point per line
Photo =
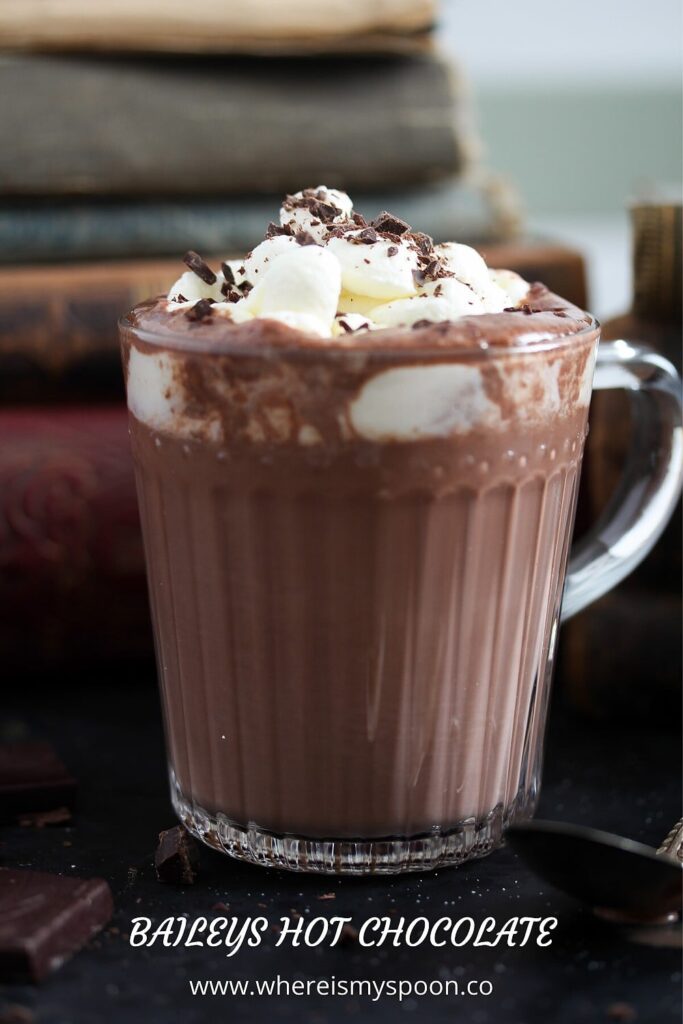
x=673 y=844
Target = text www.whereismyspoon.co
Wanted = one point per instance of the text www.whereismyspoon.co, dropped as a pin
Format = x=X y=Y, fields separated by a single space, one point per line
x=390 y=988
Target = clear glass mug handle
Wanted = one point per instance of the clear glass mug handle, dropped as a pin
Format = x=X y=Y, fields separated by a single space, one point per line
x=651 y=481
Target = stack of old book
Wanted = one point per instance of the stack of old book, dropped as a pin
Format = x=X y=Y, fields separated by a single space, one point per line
x=134 y=132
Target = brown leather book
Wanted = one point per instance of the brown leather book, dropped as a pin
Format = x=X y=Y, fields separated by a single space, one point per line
x=58 y=325
x=72 y=580
x=231 y=26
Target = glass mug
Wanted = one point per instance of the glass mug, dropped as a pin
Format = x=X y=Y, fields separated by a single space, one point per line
x=355 y=635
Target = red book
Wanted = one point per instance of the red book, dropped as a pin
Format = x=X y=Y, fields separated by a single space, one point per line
x=72 y=578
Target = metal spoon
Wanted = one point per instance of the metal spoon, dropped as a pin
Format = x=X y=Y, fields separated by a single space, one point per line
x=628 y=880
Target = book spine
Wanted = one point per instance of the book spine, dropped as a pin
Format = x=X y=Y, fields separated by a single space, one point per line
x=72 y=580
x=471 y=210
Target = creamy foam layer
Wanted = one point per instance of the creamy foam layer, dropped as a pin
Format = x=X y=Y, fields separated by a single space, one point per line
x=325 y=281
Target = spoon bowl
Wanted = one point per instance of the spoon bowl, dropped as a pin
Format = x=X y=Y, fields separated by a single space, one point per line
x=604 y=870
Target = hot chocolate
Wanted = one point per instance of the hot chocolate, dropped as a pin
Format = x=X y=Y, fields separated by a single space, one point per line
x=357 y=457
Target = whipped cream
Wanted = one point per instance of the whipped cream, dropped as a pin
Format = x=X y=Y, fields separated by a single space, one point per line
x=325 y=271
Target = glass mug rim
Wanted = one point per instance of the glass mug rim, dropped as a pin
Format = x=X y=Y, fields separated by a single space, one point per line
x=332 y=347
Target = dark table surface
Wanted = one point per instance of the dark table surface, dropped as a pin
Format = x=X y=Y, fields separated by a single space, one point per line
x=624 y=779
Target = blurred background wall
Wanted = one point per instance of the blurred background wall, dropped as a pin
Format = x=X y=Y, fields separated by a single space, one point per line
x=580 y=104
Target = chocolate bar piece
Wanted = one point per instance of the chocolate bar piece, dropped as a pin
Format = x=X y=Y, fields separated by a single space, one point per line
x=177 y=857
x=32 y=778
x=45 y=918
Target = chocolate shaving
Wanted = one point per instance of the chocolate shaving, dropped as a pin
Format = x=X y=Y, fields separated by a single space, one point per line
x=423 y=242
x=305 y=238
x=201 y=310
x=277 y=229
x=314 y=201
x=386 y=221
x=359 y=219
x=199 y=267
x=228 y=273
x=368 y=236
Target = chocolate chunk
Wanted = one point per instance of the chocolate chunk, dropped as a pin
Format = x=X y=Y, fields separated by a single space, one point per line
x=177 y=857
x=228 y=273
x=359 y=219
x=245 y=287
x=201 y=310
x=45 y=918
x=392 y=250
x=419 y=278
x=386 y=221
x=198 y=266
x=33 y=778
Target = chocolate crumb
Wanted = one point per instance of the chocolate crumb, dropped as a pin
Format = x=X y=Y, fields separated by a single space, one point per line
x=180 y=298
x=227 y=274
x=392 y=250
x=305 y=238
x=623 y=1012
x=177 y=857
x=201 y=310
x=348 y=935
x=526 y=308
x=39 y=819
x=245 y=287
x=386 y=221
x=13 y=1013
x=199 y=267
